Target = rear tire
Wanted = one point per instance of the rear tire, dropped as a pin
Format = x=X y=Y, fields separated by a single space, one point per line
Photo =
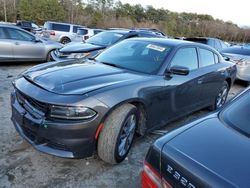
x=117 y=135
x=65 y=40
x=221 y=97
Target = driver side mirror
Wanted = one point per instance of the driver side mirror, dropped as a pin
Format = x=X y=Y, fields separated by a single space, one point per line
x=179 y=70
x=226 y=58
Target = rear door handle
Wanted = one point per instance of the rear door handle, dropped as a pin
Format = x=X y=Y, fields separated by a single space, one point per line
x=17 y=43
x=200 y=80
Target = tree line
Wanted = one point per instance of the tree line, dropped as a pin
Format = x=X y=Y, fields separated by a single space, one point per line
x=112 y=13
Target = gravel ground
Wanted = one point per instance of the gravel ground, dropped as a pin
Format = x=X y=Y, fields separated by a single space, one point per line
x=23 y=166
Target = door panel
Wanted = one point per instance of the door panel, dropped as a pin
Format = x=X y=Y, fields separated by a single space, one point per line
x=185 y=95
x=27 y=50
x=24 y=45
x=6 y=52
x=211 y=83
x=213 y=76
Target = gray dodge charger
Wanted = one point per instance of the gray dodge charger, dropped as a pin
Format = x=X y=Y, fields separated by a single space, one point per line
x=73 y=109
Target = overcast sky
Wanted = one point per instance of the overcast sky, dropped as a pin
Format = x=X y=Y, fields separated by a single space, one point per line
x=237 y=11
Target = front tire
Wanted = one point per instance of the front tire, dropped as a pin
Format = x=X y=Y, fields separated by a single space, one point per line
x=117 y=135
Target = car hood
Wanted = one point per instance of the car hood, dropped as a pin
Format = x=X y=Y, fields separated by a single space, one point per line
x=77 y=47
x=216 y=148
x=74 y=78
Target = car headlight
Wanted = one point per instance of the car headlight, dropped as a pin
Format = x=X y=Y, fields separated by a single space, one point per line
x=76 y=113
x=78 y=55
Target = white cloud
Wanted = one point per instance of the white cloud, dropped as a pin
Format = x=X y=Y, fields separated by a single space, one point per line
x=235 y=11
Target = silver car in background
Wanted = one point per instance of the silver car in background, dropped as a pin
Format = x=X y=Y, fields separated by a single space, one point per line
x=240 y=55
x=61 y=32
x=17 y=44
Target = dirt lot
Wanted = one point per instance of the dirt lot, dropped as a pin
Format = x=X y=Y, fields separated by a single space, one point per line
x=23 y=166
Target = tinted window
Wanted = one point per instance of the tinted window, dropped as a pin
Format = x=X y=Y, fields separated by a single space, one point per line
x=82 y=31
x=237 y=50
x=97 y=31
x=2 y=33
x=20 y=35
x=199 y=40
x=237 y=114
x=140 y=56
x=104 y=38
x=186 y=57
x=75 y=29
x=207 y=57
x=60 y=27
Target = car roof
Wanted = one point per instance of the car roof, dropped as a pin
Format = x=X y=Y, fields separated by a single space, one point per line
x=200 y=38
x=169 y=42
x=9 y=26
x=121 y=31
x=63 y=23
x=134 y=31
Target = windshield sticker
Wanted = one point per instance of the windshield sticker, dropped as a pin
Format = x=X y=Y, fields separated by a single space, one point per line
x=155 y=47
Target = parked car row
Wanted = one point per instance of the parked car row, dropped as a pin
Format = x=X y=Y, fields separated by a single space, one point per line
x=99 y=93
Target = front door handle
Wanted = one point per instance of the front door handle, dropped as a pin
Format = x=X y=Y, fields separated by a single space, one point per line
x=17 y=43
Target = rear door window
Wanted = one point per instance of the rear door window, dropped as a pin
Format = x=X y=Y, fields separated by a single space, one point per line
x=16 y=34
x=206 y=57
x=61 y=27
x=186 y=57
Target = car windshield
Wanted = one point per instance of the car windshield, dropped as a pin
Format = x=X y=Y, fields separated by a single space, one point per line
x=136 y=55
x=104 y=38
x=237 y=114
x=237 y=50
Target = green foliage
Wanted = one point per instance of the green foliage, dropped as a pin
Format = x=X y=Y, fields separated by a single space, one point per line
x=40 y=10
x=113 y=13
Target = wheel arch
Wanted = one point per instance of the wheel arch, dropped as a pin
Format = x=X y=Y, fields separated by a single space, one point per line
x=229 y=82
x=139 y=104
